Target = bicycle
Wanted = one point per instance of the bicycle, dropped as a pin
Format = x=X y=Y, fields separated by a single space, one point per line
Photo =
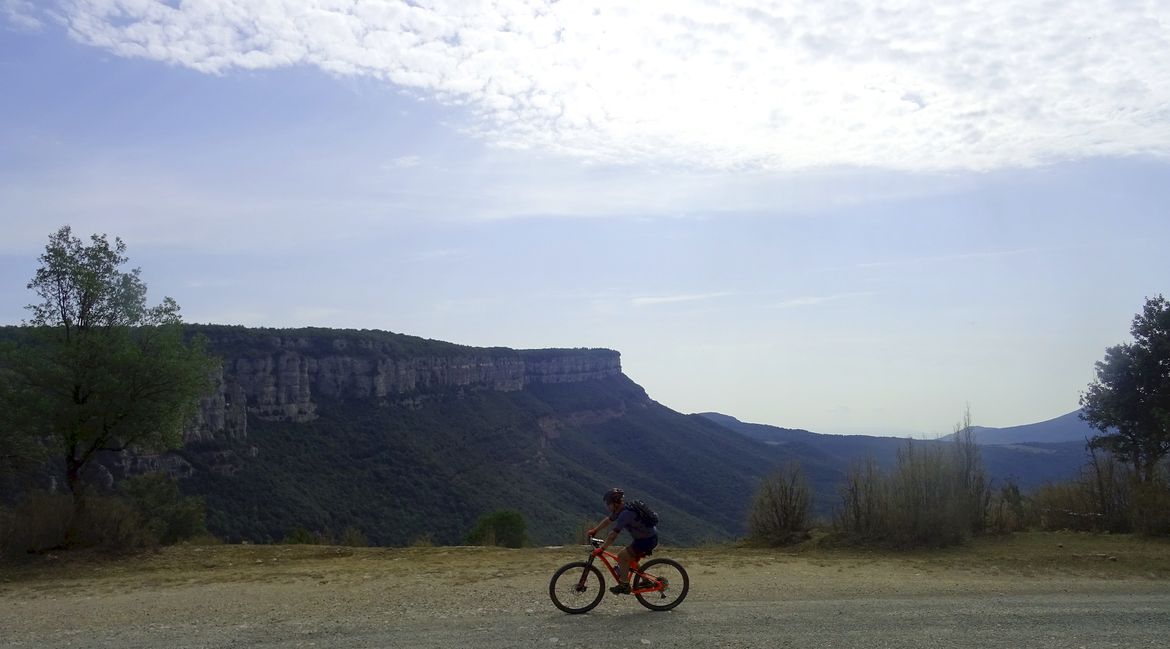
x=658 y=584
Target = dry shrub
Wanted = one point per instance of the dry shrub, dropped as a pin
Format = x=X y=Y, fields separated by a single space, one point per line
x=1008 y=510
x=937 y=495
x=864 y=502
x=36 y=524
x=1150 y=508
x=301 y=536
x=1065 y=506
x=1098 y=500
x=112 y=525
x=780 y=512
x=353 y=537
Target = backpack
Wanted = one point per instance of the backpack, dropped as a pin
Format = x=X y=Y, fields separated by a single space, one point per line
x=648 y=516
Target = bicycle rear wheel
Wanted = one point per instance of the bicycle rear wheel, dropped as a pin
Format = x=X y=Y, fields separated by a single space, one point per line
x=674 y=584
x=576 y=587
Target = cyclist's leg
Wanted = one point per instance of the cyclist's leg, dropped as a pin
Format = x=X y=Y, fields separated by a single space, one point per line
x=625 y=557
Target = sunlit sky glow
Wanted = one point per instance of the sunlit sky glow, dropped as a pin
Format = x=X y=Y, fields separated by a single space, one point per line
x=841 y=216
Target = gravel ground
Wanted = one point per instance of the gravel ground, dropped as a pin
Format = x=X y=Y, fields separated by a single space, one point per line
x=302 y=596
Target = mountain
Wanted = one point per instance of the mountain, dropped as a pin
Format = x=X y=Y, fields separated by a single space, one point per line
x=409 y=440
x=1065 y=428
x=826 y=458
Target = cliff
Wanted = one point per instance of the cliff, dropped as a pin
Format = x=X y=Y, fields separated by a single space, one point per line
x=281 y=375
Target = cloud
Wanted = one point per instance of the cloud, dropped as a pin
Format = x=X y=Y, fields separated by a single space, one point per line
x=20 y=15
x=672 y=299
x=946 y=259
x=741 y=84
x=814 y=300
x=405 y=162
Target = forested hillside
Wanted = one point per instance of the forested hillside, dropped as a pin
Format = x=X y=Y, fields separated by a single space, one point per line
x=403 y=474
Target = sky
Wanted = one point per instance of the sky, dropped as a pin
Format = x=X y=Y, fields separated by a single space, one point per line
x=848 y=217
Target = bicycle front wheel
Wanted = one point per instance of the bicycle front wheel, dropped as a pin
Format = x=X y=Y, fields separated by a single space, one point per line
x=576 y=587
x=670 y=580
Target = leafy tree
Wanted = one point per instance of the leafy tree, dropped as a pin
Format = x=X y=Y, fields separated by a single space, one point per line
x=96 y=369
x=1129 y=402
x=503 y=527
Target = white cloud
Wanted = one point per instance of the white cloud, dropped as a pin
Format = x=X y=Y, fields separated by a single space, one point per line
x=814 y=300
x=946 y=259
x=20 y=15
x=741 y=84
x=673 y=299
x=405 y=162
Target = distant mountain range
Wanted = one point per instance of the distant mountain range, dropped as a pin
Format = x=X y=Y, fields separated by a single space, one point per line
x=1065 y=428
x=825 y=458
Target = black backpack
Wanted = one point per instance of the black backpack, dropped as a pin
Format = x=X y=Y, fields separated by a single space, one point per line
x=648 y=516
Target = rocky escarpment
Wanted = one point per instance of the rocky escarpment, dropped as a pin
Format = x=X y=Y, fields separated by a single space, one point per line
x=280 y=375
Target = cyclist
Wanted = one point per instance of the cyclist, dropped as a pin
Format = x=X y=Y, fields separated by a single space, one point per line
x=625 y=518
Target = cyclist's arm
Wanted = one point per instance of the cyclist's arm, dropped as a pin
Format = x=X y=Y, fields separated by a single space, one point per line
x=610 y=539
x=600 y=526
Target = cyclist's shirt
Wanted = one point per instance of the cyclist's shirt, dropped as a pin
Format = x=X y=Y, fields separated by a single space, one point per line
x=627 y=519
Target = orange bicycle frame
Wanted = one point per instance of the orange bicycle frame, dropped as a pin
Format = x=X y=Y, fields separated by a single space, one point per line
x=611 y=561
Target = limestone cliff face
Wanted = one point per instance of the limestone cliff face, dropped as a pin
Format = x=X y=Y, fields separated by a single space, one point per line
x=279 y=376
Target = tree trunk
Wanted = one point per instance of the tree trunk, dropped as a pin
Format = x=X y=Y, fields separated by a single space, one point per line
x=77 y=489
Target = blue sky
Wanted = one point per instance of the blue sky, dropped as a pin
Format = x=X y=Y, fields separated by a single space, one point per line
x=846 y=217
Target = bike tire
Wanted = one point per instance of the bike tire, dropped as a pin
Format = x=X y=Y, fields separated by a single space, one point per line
x=562 y=588
x=674 y=594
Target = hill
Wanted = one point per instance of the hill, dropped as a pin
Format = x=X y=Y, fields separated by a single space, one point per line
x=826 y=458
x=1065 y=428
x=408 y=439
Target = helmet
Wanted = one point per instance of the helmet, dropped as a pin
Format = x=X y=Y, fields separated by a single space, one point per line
x=614 y=495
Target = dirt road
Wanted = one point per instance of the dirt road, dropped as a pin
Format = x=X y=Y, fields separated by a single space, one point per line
x=302 y=596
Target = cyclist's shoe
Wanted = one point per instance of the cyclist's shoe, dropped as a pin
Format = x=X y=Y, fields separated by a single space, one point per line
x=620 y=589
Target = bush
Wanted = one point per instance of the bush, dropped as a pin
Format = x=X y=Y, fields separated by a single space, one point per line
x=503 y=527
x=1098 y=500
x=864 y=503
x=148 y=511
x=301 y=536
x=112 y=524
x=36 y=524
x=1008 y=511
x=353 y=537
x=1150 y=508
x=937 y=495
x=167 y=515
x=780 y=511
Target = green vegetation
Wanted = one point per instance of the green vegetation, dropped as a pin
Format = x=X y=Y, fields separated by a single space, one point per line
x=166 y=515
x=96 y=369
x=147 y=511
x=1127 y=486
x=429 y=470
x=1129 y=402
x=504 y=528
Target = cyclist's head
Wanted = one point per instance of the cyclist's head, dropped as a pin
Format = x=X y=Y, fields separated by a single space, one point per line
x=614 y=495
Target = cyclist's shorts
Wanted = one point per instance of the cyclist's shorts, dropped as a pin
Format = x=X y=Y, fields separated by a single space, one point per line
x=644 y=547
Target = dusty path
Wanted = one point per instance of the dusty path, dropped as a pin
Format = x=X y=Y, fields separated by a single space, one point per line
x=298 y=596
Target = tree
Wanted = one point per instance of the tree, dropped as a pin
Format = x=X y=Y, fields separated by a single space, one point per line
x=96 y=369
x=503 y=527
x=1129 y=402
